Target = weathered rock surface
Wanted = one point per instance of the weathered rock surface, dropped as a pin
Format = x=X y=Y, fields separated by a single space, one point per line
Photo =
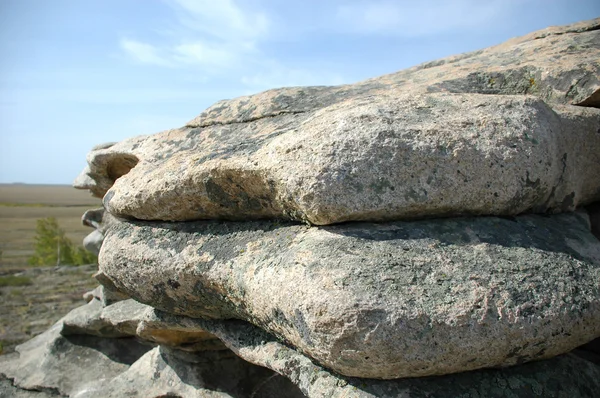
x=64 y=365
x=389 y=300
x=104 y=294
x=489 y=132
x=162 y=372
x=128 y=318
x=561 y=376
x=86 y=366
x=167 y=373
x=362 y=308
x=99 y=220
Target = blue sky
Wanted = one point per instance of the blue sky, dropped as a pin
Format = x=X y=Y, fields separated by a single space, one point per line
x=76 y=73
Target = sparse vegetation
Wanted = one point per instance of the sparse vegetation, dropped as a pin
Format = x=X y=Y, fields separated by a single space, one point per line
x=20 y=208
x=33 y=298
x=53 y=247
x=13 y=280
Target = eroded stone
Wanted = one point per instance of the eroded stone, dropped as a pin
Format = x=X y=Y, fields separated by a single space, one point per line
x=386 y=300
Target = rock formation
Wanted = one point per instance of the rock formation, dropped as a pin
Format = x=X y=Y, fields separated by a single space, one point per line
x=344 y=241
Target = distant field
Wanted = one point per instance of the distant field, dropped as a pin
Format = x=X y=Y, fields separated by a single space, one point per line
x=22 y=205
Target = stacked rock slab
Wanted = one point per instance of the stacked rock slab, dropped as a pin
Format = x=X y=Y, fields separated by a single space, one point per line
x=354 y=239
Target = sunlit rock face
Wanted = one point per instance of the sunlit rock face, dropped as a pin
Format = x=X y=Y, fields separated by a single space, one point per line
x=492 y=132
x=439 y=221
x=253 y=187
x=398 y=299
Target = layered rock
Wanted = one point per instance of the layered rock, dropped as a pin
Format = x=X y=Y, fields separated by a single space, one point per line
x=354 y=239
x=104 y=367
x=480 y=133
x=389 y=300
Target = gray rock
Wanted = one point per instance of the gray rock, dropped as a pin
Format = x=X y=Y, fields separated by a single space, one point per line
x=177 y=333
x=117 y=320
x=87 y=366
x=128 y=318
x=104 y=294
x=389 y=300
x=558 y=377
x=63 y=365
x=167 y=373
x=491 y=132
x=93 y=242
x=100 y=221
x=8 y=390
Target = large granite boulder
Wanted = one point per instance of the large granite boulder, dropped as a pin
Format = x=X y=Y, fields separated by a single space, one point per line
x=492 y=132
x=418 y=234
x=119 y=367
x=82 y=365
x=399 y=299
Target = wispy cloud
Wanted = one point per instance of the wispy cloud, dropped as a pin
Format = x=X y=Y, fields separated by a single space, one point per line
x=210 y=35
x=222 y=19
x=222 y=39
x=410 y=19
x=144 y=52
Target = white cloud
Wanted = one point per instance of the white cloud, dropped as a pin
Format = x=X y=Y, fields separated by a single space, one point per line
x=222 y=19
x=220 y=39
x=211 y=34
x=144 y=53
x=200 y=53
x=418 y=18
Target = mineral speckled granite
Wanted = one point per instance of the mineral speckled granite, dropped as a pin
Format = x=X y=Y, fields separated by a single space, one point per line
x=490 y=132
x=429 y=233
x=399 y=299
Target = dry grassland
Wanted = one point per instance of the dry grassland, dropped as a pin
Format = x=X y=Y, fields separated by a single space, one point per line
x=32 y=299
x=22 y=205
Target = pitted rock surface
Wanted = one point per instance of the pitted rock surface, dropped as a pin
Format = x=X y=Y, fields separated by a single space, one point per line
x=565 y=375
x=129 y=318
x=387 y=300
x=492 y=132
x=349 y=240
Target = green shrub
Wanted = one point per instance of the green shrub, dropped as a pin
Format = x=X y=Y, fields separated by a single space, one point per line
x=53 y=247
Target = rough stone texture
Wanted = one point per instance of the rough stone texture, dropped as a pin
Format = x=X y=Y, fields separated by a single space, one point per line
x=104 y=294
x=388 y=300
x=164 y=373
x=85 y=366
x=63 y=365
x=100 y=221
x=564 y=376
x=8 y=390
x=489 y=132
x=129 y=318
x=117 y=320
x=502 y=131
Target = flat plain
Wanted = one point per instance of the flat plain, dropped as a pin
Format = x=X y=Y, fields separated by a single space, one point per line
x=32 y=299
x=22 y=205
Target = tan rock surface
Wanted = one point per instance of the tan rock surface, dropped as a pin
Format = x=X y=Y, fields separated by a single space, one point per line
x=489 y=132
x=389 y=300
